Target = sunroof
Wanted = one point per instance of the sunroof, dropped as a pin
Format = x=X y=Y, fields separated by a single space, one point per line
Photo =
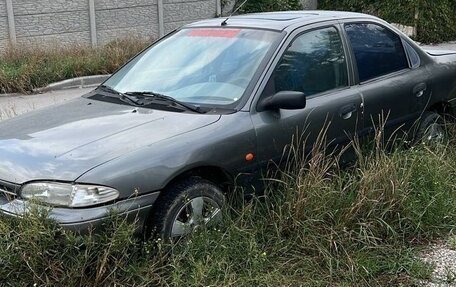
x=274 y=19
x=280 y=17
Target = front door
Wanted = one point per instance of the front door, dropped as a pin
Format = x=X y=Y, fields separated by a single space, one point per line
x=314 y=63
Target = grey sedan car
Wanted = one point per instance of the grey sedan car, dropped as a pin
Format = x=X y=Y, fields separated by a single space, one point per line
x=207 y=107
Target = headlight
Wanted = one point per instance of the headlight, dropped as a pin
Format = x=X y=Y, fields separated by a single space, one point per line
x=68 y=195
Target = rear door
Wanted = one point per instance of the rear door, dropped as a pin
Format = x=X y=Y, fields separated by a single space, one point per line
x=314 y=62
x=394 y=86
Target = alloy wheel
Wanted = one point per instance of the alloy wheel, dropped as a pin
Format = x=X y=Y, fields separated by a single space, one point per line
x=196 y=212
x=435 y=133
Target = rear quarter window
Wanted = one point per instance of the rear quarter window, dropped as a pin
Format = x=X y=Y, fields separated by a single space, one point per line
x=414 y=58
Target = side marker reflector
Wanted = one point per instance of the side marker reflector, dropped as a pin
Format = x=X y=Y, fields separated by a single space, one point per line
x=249 y=157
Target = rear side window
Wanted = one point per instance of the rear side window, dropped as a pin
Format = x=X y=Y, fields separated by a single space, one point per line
x=314 y=63
x=378 y=51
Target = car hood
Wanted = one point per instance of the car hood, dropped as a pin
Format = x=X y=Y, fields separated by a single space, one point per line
x=63 y=142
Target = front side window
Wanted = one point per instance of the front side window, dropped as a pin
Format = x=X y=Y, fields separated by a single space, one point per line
x=314 y=63
x=204 y=66
x=378 y=51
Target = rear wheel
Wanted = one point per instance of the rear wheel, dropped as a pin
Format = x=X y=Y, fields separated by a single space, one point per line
x=432 y=129
x=186 y=206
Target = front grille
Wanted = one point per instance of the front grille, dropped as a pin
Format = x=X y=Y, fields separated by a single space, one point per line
x=8 y=190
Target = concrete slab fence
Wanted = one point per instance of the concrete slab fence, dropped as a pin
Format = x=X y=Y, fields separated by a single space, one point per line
x=64 y=23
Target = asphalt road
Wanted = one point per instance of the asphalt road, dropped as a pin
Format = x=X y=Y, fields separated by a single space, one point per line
x=17 y=104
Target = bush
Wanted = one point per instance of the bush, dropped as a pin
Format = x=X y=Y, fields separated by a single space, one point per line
x=268 y=5
x=22 y=70
x=436 y=19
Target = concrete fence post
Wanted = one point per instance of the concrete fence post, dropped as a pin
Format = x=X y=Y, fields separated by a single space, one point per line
x=417 y=20
x=161 y=20
x=219 y=8
x=93 y=23
x=309 y=4
x=11 y=22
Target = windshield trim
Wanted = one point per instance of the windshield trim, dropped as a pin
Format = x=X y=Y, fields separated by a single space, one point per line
x=238 y=105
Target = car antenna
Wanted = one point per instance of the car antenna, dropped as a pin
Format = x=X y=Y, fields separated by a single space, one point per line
x=225 y=22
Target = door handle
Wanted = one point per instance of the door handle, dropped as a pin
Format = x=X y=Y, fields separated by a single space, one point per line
x=346 y=112
x=419 y=90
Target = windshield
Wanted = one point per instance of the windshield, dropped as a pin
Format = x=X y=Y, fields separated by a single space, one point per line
x=199 y=66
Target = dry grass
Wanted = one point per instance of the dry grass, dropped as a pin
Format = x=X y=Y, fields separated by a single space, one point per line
x=22 y=70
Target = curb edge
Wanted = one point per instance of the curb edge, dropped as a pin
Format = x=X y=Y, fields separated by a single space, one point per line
x=79 y=82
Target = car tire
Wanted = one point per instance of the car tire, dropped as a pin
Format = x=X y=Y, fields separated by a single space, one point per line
x=185 y=206
x=431 y=130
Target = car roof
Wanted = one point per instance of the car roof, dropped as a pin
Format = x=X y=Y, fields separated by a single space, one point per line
x=279 y=20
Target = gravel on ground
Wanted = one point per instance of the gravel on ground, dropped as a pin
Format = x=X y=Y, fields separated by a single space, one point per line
x=442 y=257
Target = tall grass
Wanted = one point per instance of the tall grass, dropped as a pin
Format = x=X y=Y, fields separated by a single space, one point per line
x=24 y=69
x=329 y=226
x=34 y=250
x=316 y=225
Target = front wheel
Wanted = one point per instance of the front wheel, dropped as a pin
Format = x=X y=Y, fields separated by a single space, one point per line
x=185 y=207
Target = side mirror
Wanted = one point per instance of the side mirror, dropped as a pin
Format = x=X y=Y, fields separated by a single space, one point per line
x=286 y=100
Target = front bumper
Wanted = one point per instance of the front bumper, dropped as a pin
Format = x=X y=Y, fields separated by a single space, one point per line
x=135 y=209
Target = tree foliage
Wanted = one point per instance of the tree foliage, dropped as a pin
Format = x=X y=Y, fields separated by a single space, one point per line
x=253 y=6
x=435 y=20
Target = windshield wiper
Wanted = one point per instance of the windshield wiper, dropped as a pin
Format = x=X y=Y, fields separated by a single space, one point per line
x=122 y=96
x=158 y=96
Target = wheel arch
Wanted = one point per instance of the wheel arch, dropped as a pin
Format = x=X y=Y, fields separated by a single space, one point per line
x=444 y=109
x=215 y=174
